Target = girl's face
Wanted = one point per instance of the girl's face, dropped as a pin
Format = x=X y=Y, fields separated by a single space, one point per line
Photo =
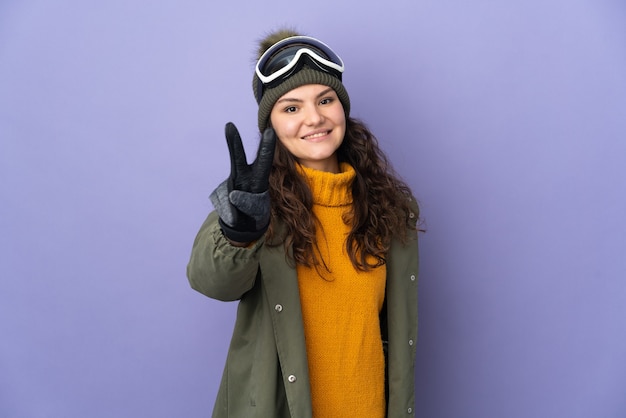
x=310 y=122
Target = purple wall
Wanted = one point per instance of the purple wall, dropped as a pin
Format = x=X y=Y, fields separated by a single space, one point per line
x=508 y=120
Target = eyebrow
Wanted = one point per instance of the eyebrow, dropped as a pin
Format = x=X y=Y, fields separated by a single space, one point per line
x=296 y=100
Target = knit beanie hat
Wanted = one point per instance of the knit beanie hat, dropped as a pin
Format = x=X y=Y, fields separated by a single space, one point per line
x=306 y=75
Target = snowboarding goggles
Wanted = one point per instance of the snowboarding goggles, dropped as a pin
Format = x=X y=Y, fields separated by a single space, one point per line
x=286 y=57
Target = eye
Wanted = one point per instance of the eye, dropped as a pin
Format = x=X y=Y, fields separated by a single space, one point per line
x=326 y=100
x=290 y=109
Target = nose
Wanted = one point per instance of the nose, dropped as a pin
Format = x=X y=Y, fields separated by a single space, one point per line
x=313 y=116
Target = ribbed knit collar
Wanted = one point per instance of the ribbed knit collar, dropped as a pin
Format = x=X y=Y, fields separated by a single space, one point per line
x=330 y=189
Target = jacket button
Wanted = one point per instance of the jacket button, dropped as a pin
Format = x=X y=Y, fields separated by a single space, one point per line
x=410 y=342
x=411 y=215
x=278 y=308
x=413 y=277
x=291 y=378
x=409 y=410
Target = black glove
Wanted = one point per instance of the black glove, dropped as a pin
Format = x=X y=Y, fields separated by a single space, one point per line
x=242 y=201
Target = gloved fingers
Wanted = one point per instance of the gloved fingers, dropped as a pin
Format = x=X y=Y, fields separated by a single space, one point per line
x=263 y=163
x=222 y=205
x=238 y=161
x=255 y=205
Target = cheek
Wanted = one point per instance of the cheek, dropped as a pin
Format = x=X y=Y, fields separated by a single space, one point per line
x=341 y=115
x=341 y=122
x=284 y=128
x=280 y=129
x=281 y=138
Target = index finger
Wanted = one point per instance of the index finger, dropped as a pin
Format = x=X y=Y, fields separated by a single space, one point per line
x=238 y=161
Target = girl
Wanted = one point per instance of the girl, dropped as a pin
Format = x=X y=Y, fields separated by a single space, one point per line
x=317 y=239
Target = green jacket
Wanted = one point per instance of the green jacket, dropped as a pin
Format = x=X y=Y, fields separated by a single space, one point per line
x=266 y=372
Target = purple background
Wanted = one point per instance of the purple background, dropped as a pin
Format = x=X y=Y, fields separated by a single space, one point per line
x=508 y=119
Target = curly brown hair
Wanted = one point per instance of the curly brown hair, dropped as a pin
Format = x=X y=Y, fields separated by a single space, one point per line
x=380 y=211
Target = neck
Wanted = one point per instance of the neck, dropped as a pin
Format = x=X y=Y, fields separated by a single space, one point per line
x=330 y=165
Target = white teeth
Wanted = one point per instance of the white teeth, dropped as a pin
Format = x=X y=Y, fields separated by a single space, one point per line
x=315 y=135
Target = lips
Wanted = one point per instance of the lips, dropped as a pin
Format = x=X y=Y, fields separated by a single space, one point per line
x=317 y=134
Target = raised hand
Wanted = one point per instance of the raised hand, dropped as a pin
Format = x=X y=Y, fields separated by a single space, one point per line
x=242 y=201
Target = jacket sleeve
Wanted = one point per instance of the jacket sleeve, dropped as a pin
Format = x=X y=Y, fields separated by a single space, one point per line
x=218 y=269
x=401 y=325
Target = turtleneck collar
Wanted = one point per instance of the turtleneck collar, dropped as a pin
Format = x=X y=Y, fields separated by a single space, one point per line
x=329 y=189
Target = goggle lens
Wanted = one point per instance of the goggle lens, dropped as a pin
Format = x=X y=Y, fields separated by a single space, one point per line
x=284 y=58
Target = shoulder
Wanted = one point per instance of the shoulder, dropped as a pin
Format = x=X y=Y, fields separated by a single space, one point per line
x=412 y=209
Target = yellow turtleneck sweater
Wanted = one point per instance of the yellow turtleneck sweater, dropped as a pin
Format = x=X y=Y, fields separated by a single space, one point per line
x=340 y=309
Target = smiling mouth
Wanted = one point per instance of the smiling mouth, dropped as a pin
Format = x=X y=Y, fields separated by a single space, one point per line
x=317 y=135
